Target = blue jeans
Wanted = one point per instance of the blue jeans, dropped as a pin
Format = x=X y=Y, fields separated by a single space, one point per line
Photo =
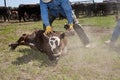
x=51 y=19
x=116 y=32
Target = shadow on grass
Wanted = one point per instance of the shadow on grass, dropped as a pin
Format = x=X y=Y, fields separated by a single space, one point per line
x=31 y=55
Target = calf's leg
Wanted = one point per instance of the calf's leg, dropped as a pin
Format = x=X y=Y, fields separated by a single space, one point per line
x=20 y=41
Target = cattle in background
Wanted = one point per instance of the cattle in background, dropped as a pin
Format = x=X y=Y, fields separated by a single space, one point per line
x=29 y=11
x=95 y=9
x=5 y=13
x=115 y=7
x=76 y=7
x=53 y=45
x=79 y=9
x=14 y=13
x=102 y=9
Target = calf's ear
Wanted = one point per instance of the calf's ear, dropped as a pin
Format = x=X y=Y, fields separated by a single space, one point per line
x=62 y=35
x=24 y=34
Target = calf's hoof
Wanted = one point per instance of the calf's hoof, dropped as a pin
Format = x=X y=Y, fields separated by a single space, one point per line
x=12 y=46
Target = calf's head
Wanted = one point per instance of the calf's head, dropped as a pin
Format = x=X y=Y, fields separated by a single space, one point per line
x=56 y=44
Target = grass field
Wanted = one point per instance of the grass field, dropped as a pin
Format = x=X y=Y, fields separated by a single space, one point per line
x=100 y=62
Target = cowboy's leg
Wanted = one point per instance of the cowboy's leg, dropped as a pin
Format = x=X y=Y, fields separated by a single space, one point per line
x=116 y=32
x=51 y=19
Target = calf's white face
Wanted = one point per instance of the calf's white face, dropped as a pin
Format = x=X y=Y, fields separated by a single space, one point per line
x=56 y=44
x=54 y=41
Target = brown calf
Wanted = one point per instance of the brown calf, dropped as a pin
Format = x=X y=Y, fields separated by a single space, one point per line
x=53 y=45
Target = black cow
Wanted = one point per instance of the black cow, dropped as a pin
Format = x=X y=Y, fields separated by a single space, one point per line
x=5 y=13
x=29 y=11
x=76 y=9
x=53 y=45
x=14 y=13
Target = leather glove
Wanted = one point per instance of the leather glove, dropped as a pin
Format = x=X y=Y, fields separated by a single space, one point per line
x=68 y=27
x=48 y=30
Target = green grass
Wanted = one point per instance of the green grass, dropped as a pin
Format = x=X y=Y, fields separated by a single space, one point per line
x=79 y=63
x=107 y=22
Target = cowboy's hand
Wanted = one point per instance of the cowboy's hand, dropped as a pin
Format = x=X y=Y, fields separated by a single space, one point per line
x=48 y=30
x=68 y=27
